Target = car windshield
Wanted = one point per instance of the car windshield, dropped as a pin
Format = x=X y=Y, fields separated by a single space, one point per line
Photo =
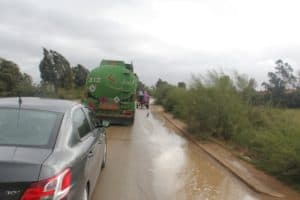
x=27 y=127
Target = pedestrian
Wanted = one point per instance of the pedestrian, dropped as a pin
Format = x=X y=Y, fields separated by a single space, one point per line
x=140 y=97
x=146 y=99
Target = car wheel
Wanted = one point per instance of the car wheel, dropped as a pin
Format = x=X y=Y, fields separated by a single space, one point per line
x=105 y=156
x=85 y=194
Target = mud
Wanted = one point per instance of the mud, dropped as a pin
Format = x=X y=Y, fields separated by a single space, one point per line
x=151 y=161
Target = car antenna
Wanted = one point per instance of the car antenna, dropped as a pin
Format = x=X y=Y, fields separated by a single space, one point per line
x=20 y=101
x=20 y=104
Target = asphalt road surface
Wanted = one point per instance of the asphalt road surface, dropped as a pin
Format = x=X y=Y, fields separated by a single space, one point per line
x=149 y=161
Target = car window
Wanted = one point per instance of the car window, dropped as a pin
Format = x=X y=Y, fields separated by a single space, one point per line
x=91 y=116
x=27 y=127
x=80 y=123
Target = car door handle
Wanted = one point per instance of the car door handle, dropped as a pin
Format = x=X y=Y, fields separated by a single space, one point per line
x=100 y=141
x=90 y=154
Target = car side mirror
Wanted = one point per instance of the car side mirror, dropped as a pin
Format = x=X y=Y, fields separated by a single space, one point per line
x=102 y=123
x=105 y=123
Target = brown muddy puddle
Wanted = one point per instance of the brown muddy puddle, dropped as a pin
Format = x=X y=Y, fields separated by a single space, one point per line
x=182 y=171
x=149 y=161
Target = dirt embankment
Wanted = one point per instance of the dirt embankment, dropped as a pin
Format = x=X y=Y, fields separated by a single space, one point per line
x=257 y=180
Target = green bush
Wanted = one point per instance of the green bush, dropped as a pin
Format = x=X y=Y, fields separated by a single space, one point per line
x=74 y=93
x=217 y=107
x=175 y=101
x=214 y=108
x=277 y=145
x=161 y=93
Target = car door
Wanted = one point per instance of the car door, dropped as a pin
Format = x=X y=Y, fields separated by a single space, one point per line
x=89 y=140
x=98 y=132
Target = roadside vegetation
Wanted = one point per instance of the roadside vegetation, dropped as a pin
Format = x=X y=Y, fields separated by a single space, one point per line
x=58 y=78
x=265 y=125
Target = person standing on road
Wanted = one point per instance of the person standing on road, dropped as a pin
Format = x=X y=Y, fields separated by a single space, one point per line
x=141 y=97
x=146 y=99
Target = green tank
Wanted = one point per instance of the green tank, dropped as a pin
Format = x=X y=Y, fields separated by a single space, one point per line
x=111 y=91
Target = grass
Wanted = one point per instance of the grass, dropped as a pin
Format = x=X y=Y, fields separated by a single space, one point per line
x=276 y=146
x=74 y=93
x=62 y=93
x=217 y=108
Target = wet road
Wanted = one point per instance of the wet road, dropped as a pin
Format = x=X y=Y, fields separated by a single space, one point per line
x=149 y=161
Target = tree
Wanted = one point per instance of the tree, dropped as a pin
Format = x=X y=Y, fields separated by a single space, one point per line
x=140 y=85
x=181 y=85
x=285 y=72
x=280 y=81
x=298 y=80
x=80 y=74
x=246 y=87
x=55 y=69
x=160 y=83
x=12 y=81
x=161 y=90
x=25 y=85
x=9 y=75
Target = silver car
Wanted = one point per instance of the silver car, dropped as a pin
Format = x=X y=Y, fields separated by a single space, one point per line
x=49 y=149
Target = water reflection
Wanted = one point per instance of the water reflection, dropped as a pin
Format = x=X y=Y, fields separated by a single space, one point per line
x=182 y=171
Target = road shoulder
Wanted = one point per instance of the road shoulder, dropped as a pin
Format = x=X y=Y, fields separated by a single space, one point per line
x=247 y=173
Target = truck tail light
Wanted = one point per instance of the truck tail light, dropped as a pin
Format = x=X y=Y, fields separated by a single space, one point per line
x=54 y=188
x=127 y=112
x=103 y=99
x=91 y=105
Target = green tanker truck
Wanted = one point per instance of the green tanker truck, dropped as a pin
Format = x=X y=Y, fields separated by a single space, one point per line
x=111 y=91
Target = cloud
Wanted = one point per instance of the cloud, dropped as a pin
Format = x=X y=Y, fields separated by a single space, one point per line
x=169 y=39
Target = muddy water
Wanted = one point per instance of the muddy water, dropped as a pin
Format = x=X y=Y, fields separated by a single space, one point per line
x=151 y=161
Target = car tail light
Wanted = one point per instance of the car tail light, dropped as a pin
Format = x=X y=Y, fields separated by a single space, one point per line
x=54 y=188
x=103 y=99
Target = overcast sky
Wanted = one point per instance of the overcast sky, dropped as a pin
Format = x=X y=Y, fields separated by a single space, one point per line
x=170 y=39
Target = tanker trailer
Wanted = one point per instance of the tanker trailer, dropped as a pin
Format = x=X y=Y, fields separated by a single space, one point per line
x=111 y=91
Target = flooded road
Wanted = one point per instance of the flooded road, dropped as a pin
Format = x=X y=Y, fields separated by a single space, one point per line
x=150 y=161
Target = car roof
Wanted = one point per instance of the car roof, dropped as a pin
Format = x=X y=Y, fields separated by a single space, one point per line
x=36 y=103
